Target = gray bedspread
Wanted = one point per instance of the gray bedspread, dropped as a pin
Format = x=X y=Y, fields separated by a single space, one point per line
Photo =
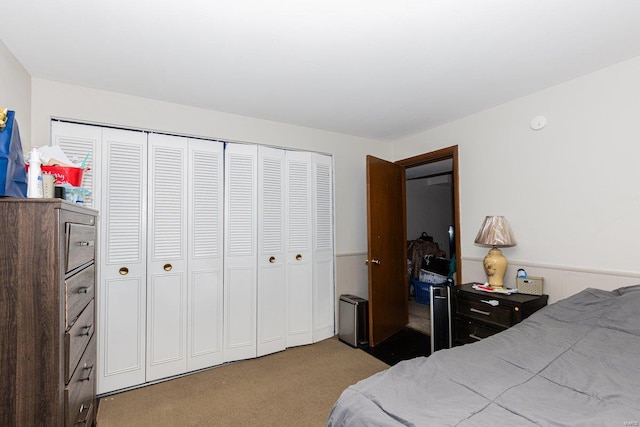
x=573 y=363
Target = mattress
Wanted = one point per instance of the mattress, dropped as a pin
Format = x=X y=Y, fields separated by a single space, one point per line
x=574 y=363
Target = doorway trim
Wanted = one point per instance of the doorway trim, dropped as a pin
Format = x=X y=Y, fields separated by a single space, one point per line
x=436 y=156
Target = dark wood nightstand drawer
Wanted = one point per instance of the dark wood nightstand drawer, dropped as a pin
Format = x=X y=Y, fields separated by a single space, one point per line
x=468 y=331
x=481 y=314
x=485 y=312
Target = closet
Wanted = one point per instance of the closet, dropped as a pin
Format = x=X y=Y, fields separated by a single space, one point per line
x=211 y=252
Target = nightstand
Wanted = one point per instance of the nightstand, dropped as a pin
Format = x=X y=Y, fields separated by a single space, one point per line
x=477 y=318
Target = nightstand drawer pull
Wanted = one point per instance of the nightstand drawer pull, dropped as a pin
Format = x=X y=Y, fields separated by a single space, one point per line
x=475 y=337
x=475 y=310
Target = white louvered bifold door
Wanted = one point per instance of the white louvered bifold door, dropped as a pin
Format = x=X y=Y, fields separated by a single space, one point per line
x=323 y=263
x=167 y=257
x=271 y=300
x=205 y=248
x=240 y=251
x=299 y=249
x=76 y=141
x=123 y=237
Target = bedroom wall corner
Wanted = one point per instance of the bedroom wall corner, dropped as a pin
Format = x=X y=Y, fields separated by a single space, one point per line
x=352 y=276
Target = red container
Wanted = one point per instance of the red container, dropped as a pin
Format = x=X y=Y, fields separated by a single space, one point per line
x=64 y=175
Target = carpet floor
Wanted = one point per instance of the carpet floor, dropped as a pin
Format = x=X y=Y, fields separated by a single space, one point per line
x=294 y=387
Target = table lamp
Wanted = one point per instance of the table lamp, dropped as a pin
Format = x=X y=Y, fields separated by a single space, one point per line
x=496 y=232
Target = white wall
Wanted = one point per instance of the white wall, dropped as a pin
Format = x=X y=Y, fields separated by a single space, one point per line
x=571 y=190
x=15 y=92
x=53 y=99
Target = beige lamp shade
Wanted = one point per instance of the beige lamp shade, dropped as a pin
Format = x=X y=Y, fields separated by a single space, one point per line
x=495 y=232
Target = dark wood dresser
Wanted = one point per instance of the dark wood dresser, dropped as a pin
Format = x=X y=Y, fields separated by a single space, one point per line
x=481 y=314
x=47 y=313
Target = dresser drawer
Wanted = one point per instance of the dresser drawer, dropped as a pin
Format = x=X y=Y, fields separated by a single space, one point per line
x=77 y=338
x=79 y=290
x=469 y=331
x=484 y=312
x=79 y=394
x=81 y=245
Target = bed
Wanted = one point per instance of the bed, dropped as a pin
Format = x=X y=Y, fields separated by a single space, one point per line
x=574 y=363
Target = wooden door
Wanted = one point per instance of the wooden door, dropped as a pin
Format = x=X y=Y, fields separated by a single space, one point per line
x=123 y=269
x=167 y=257
x=323 y=265
x=205 y=248
x=240 y=253
x=299 y=252
x=271 y=293
x=387 y=249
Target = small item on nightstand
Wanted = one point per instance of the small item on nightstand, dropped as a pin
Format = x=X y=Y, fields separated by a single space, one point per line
x=530 y=285
x=48 y=186
x=34 y=176
x=60 y=192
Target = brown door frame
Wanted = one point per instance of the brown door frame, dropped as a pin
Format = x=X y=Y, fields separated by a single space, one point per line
x=436 y=156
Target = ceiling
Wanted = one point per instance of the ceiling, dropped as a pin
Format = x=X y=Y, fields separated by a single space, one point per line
x=378 y=69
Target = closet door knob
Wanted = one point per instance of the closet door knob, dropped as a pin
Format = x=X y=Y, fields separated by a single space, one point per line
x=272 y=259
x=167 y=267
x=298 y=257
x=123 y=271
x=375 y=261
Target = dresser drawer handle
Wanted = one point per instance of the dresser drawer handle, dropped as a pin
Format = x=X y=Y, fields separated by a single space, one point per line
x=86 y=331
x=88 y=377
x=89 y=243
x=84 y=290
x=87 y=410
x=475 y=337
x=475 y=310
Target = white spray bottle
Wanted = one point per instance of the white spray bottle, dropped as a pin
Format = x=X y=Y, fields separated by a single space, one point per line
x=34 y=177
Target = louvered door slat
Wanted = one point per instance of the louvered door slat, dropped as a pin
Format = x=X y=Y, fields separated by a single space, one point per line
x=124 y=222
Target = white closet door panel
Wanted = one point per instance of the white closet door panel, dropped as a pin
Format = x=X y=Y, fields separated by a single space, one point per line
x=121 y=333
x=240 y=252
x=323 y=255
x=122 y=275
x=166 y=334
x=205 y=319
x=271 y=327
x=299 y=249
x=240 y=332
x=205 y=248
x=299 y=304
x=299 y=201
x=167 y=257
x=77 y=141
x=323 y=297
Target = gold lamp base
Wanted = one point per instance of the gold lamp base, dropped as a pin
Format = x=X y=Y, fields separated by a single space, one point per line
x=495 y=265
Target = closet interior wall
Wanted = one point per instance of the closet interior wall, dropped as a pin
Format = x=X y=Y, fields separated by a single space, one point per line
x=210 y=251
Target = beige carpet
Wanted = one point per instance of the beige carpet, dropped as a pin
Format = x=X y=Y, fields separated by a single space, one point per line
x=296 y=387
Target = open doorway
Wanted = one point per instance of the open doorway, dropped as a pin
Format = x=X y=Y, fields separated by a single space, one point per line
x=430 y=232
x=432 y=214
x=387 y=238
